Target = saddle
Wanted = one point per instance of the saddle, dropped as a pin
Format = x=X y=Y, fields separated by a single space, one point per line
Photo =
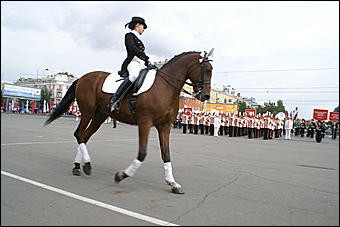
x=142 y=84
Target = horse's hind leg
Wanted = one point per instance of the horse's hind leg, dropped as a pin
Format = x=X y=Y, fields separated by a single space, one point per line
x=81 y=151
x=96 y=122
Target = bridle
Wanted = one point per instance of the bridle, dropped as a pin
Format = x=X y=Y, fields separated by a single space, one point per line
x=199 y=85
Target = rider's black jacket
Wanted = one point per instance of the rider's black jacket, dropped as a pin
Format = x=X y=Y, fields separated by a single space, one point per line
x=134 y=47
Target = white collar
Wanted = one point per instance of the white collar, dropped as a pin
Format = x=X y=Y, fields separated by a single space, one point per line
x=136 y=33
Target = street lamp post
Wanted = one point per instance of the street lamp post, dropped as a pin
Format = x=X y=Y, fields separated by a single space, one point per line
x=44 y=71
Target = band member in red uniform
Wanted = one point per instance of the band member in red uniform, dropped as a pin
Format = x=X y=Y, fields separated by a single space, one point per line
x=212 y=118
x=196 y=123
x=184 y=123
x=201 y=122
x=207 y=124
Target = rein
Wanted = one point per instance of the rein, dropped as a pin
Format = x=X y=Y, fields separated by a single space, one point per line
x=200 y=82
x=171 y=84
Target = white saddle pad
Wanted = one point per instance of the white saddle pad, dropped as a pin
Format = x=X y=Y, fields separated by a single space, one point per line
x=111 y=85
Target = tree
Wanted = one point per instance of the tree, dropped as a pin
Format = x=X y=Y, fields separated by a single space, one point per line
x=271 y=107
x=280 y=107
x=336 y=109
x=241 y=106
x=69 y=75
x=45 y=95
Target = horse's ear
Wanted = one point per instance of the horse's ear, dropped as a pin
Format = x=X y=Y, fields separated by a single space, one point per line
x=204 y=56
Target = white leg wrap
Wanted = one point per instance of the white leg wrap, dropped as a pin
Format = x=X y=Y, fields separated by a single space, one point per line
x=168 y=172
x=169 y=178
x=85 y=153
x=133 y=167
x=79 y=156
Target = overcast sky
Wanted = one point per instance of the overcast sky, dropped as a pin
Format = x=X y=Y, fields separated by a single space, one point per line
x=80 y=37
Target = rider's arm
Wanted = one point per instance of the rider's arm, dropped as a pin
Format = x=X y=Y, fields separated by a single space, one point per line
x=131 y=46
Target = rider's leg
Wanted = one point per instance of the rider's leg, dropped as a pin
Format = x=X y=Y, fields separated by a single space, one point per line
x=123 y=86
x=134 y=67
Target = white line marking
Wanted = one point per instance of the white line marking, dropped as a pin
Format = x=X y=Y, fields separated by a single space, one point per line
x=92 y=201
x=68 y=141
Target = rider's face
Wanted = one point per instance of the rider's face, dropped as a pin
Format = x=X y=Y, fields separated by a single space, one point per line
x=139 y=28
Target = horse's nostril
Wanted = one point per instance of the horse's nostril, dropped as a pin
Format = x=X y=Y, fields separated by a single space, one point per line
x=207 y=97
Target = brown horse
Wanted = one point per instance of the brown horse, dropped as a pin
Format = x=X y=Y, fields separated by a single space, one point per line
x=156 y=107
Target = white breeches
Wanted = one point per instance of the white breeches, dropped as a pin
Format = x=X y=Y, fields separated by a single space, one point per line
x=134 y=67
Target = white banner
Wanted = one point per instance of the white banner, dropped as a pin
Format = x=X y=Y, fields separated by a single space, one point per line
x=24 y=92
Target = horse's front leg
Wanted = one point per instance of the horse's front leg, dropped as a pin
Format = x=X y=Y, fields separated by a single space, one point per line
x=164 y=136
x=143 y=134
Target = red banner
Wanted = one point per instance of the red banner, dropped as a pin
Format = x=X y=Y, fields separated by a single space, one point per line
x=51 y=105
x=334 y=117
x=251 y=113
x=187 y=111
x=33 y=105
x=320 y=115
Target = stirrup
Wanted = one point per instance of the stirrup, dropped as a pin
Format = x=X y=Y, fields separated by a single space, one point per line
x=115 y=107
x=112 y=103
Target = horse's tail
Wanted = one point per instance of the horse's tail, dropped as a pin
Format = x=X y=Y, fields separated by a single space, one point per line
x=64 y=104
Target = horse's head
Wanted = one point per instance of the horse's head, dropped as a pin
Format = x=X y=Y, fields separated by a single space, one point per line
x=200 y=75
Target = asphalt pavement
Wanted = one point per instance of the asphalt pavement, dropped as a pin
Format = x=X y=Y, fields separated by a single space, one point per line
x=228 y=181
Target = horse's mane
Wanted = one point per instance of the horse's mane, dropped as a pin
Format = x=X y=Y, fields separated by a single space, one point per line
x=180 y=55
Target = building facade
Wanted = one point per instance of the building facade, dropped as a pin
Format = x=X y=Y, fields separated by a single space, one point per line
x=57 y=84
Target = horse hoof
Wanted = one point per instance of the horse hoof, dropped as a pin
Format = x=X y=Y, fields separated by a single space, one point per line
x=177 y=190
x=76 y=172
x=87 y=168
x=119 y=176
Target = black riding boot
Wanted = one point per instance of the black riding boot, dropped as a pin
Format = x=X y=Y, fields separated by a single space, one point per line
x=114 y=105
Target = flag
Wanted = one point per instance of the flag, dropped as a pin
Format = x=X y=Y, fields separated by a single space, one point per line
x=295 y=113
x=44 y=107
x=51 y=104
x=33 y=105
x=22 y=105
x=47 y=109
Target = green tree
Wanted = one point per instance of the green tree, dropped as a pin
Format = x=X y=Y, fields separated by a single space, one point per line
x=241 y=106
x=67 y=74
x=280 y=107
x=45 y=95
x=336 y=109
x=271 y=107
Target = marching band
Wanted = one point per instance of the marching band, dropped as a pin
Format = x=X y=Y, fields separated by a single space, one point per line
x=232 y=125
x=264 y=126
